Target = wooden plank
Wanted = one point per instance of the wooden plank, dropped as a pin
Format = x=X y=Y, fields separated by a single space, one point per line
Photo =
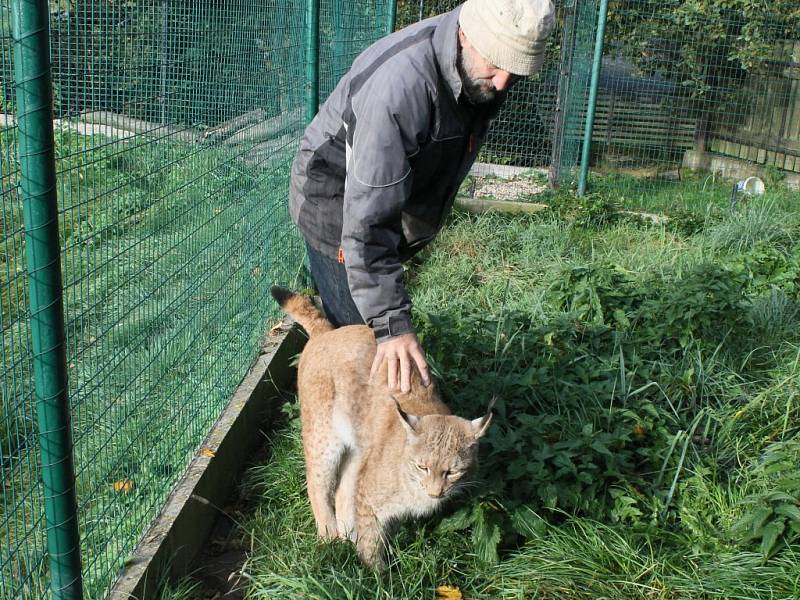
x=793 y=128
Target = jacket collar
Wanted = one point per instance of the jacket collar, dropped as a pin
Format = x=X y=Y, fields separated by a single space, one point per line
x=445 y=46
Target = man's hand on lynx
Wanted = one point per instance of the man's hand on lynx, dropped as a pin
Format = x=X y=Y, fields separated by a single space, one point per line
x=401 y=353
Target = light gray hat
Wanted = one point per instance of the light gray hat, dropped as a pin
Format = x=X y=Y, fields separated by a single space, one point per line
x=511 y=34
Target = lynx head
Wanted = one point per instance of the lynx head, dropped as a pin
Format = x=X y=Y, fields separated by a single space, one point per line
x=441 y=450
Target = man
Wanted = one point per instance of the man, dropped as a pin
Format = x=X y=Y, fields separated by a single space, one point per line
x=379 y=166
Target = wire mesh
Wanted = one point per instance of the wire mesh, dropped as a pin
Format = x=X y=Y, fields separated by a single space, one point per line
x=347 y=28
x=22 y=543
x=178 y=126
x=712 y=85
x=687 y=84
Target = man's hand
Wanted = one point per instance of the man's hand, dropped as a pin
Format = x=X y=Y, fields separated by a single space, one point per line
x=401 y=351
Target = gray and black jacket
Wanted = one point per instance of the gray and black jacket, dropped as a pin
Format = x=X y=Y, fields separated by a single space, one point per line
x=379 y=166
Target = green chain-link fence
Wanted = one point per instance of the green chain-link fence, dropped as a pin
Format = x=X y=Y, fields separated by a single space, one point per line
x=699 y=84
x=713 y=85
x=175 y=127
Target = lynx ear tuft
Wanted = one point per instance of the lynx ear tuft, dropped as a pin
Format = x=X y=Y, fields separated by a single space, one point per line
x=480 y=425
x=410 y=422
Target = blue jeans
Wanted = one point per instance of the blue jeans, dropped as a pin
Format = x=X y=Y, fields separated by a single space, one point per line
x=330 y=278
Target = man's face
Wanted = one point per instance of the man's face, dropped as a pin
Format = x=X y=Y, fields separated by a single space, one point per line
x=481 y=80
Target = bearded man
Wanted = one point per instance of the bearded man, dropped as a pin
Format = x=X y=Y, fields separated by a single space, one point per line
x=379 y=166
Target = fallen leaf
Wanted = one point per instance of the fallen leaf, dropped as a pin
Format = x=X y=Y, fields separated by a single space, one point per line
x=448 y=592
x=207 y=452
x=123 y=485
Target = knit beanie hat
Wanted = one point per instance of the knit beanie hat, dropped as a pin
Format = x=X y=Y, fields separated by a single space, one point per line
x=511 y=34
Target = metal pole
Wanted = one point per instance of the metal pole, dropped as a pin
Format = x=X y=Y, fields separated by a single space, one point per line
x=312 y=59
x=162 y=97
x=391 y=22
x=565 y=62
x=34 y=95
x=596 y=65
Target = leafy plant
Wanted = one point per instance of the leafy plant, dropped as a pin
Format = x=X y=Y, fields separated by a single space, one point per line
x=773 y=515
x=591 y=210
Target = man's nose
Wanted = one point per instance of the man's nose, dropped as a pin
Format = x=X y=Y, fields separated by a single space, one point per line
x=502 y=80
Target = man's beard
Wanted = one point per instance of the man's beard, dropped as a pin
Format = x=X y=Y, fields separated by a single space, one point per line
x=477 y=91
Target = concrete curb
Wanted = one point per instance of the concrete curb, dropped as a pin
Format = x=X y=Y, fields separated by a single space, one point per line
x=477 y=205
x=174 y=539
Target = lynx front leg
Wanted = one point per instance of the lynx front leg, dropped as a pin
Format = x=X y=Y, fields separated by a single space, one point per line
x=370 y=542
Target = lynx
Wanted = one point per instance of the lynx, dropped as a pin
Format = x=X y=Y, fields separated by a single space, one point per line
x=373 y=459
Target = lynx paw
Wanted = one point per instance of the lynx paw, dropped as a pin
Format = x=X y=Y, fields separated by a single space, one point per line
x=372 y=556
x=328 y=531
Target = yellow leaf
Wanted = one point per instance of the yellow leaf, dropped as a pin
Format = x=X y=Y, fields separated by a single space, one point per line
x=448 y=592
x=207 y=452
x=123 y=485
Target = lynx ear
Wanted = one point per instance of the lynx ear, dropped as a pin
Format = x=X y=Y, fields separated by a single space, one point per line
x=480 y=425
x=409 y=421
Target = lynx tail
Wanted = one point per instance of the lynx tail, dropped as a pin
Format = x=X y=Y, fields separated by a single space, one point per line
x=302 y=310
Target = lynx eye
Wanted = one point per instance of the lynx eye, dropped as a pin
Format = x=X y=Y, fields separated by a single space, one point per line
x=455 y=474
x=422 y=468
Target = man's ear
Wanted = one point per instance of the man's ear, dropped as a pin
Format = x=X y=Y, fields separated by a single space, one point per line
x=480 y=425
x=409 y=422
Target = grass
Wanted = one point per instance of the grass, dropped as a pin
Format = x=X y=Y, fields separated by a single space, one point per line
x=167 y=254
x=646 y=438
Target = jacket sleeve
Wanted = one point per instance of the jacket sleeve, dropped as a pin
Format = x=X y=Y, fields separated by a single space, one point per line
x=385 y=123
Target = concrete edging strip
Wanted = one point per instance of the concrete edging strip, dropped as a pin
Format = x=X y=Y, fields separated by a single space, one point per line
x=175 y=537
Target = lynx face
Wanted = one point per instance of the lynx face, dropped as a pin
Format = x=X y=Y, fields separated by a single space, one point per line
x=441 y=451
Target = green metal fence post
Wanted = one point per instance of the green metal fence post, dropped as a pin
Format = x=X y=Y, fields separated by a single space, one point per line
x=596 y=66
x=312 y=59
x=391 y=20
x=34 y=95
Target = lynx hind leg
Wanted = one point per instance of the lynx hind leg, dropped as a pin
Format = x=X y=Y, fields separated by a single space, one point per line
x=346 y=496
x=323 y=453
x=321 y=470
